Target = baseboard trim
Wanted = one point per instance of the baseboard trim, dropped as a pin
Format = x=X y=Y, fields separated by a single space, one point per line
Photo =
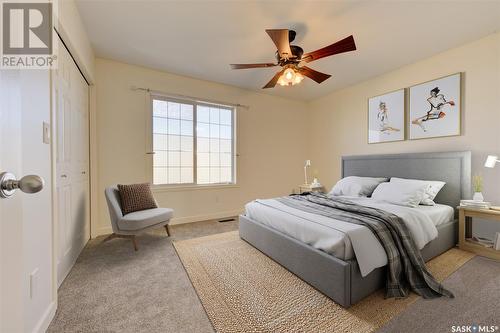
x=44 y=322
x=68 y=262
x=180 y=220
x=205 y=217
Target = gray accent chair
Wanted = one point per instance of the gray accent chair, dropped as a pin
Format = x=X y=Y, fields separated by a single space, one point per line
x=132 y=224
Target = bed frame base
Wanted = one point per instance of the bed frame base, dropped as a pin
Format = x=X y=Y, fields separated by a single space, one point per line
x=338 y=279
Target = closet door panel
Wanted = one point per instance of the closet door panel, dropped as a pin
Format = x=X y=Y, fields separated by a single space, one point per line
x=72 y=162
x=64 y=245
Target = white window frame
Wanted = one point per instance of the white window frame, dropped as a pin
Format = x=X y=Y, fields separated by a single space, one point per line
x=150 y=149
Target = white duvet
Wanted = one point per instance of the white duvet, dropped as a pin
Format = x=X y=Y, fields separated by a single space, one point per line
x=345 y=240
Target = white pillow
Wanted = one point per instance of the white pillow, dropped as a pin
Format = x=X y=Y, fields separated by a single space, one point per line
x=433 y=188
x=355 y=186
x=403 y=194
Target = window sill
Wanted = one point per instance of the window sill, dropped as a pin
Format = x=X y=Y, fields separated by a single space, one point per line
x=180 y=188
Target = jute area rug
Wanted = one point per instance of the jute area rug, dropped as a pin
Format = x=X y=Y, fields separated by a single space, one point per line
x=243 y=290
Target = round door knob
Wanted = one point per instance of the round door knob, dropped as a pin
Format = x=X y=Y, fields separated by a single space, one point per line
x=31 y=184
x=27 y=184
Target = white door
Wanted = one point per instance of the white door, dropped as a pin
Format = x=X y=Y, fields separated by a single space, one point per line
x=11 y=226
x=27 y=297
x=72 y=162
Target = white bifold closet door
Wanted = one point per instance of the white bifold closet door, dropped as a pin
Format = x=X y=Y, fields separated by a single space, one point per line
x=71 y=93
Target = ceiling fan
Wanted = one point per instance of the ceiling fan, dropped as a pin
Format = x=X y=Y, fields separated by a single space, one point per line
x=290 y=57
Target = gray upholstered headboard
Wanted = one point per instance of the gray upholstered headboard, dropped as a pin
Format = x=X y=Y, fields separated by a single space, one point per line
x=454 y=168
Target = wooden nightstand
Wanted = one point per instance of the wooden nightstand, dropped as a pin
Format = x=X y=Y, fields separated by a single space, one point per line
x=308 y=188
x=465 y=230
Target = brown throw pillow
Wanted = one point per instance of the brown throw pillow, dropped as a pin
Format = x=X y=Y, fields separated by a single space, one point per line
x=136 y=197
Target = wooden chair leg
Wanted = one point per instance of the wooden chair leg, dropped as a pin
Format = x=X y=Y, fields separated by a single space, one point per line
x=131 y=237
x=167 y=229
x=134 y=241
x=110 y=237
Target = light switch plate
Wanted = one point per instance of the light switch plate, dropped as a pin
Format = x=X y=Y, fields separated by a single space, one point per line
x=46 y=133
x=33 y=283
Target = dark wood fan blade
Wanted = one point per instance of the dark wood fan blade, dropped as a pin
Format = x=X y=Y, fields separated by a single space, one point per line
x=274 y=80
x=280 y=39
x=315 y=75
x=244 y=66
x=344 y=45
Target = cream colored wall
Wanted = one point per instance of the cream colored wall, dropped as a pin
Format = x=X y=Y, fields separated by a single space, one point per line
x=271 y=142
x=275 y=135
x=338 y=123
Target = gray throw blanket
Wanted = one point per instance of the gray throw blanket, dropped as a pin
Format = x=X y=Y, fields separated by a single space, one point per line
x=406 y=268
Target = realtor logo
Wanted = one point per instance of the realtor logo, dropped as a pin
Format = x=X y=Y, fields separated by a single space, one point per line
x=27 y=34
x=27 y=28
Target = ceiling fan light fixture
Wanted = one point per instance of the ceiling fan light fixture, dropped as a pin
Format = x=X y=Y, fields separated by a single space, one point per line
x=290 y=77
x=289 y=57
x=282 y=82
x=298 y=78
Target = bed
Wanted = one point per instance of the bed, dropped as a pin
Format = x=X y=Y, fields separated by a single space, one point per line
x=336 y=273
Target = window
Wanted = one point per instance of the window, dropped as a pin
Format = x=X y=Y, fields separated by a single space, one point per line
x=193 y=142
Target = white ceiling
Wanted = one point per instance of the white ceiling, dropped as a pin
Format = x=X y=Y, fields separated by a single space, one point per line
x=201 y=38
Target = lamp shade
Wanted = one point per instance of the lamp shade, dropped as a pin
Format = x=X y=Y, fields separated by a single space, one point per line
x=491 y=161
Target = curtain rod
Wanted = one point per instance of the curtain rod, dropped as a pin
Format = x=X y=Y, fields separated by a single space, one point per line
x=188 y=97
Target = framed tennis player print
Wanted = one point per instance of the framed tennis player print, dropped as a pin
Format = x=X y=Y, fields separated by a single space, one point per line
x=435 y=108
x=386 y=117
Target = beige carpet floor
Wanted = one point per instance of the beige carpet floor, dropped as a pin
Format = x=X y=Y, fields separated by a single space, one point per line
x=114 y=289
x=111 y=288
x=243 y=290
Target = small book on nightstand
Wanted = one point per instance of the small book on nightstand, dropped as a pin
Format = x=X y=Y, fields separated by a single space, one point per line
x=481 y=241
x=475 y=204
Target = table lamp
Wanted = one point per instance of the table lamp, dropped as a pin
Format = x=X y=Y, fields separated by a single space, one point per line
x=307 y=164
x=491 y=161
